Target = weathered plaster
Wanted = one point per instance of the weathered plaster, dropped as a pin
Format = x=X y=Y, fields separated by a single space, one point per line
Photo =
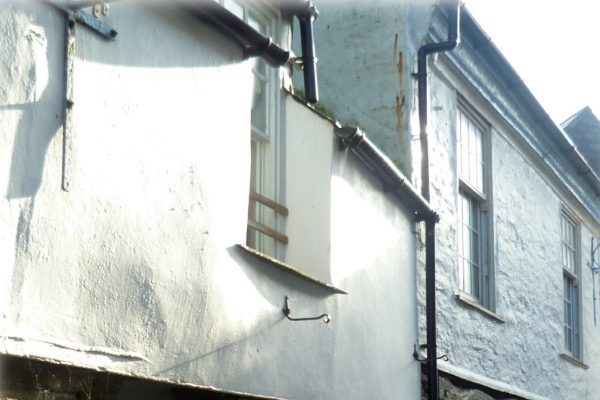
x=365 y=62
x=528 y=190
x=136 y=269
x=528 y=272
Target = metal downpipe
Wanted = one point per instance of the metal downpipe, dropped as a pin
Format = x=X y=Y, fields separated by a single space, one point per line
x=451 y=43
x=309 y=59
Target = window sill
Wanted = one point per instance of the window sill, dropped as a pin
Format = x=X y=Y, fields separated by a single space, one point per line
x=573 y=360
x=464 y=299
x=288 y=268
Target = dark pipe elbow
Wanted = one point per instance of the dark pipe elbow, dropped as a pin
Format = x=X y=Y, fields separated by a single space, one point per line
x=450 y=44
x=424 y=51
x=453 y=34
x=269 y=51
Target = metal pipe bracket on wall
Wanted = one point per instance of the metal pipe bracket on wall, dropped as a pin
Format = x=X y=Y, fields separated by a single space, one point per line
x=74 y=16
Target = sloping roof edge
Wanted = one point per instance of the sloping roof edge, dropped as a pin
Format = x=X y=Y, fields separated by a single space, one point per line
x=379 y=164
x=488 y=70
x=573 y=117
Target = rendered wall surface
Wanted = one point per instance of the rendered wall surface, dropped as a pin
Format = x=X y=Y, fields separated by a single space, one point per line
x=520 y=355
x=527 y=259
x=309 y=154
x=136 y=269
x=366 y=55
x=371 y=255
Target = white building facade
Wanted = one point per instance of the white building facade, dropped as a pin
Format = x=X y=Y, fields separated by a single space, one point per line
x=168 y=190
x=131 y=265
x=519 y=211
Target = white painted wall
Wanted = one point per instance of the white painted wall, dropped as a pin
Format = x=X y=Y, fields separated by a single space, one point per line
x=309 y=153
x=136 y=269
x=369 y=243
x=522 y=354
x=524 y=351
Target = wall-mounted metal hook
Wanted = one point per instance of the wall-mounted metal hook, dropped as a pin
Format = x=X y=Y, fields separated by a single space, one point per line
x=286 y=311
x=418 y=357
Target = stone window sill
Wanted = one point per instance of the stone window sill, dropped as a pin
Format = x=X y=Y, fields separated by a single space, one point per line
x=288 y=268
x=465 y=300
x=573 y=360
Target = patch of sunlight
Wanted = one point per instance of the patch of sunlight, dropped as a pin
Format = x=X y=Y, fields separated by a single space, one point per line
x=361 y=230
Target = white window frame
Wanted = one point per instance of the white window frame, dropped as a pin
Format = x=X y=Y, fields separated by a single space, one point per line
x=267 y=159
x=475 y=220
x=570 y=240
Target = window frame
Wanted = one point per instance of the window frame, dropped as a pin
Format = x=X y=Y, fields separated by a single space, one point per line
x=483 y=198
x=267 y=155
x=572 y=341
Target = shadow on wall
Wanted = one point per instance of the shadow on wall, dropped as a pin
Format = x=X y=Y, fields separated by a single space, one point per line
x=223 y=351
x=264 y=277
x=254 y=345
x=29 y=108
x=31 y=95
x=36 y=95
x=36 y=91
x=34 y=84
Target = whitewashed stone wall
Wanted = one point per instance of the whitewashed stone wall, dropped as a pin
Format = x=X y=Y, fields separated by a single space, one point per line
x=522 y=352
x=520 y=355
x=136 y=269
x=366 y=54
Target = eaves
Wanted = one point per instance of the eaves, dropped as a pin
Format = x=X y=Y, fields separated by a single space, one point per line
x=484 y=67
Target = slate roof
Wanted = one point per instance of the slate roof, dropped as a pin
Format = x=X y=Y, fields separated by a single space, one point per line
x=584 y=130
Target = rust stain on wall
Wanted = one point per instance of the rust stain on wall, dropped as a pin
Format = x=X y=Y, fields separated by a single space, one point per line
x=399 y=104
x=400 y=65
x=398 y=58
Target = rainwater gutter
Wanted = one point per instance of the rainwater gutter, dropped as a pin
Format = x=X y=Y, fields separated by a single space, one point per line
x=494 y=78
x=453 y=12
x=392 y=179
x=255 y=44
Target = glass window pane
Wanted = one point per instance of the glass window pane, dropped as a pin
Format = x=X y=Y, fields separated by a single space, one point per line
x=470 y=246
x=470 y=148
x=475 y=248
x=264 y=133
x=466 y=270
x=571 y=316
x=259 y=105
x=475 y=276
x=571 y=260
x=466 y=248
x=463 y=147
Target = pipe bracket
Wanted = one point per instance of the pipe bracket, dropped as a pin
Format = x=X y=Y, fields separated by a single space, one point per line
x=424 y=360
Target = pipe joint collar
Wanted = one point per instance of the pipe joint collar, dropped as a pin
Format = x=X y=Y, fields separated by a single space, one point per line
x=304 y=9
x=349 y=136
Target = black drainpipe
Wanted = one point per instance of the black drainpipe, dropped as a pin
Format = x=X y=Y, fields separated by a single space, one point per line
x=424 y=51
x=307 y=13
x=255 y=44
x=309 y=59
